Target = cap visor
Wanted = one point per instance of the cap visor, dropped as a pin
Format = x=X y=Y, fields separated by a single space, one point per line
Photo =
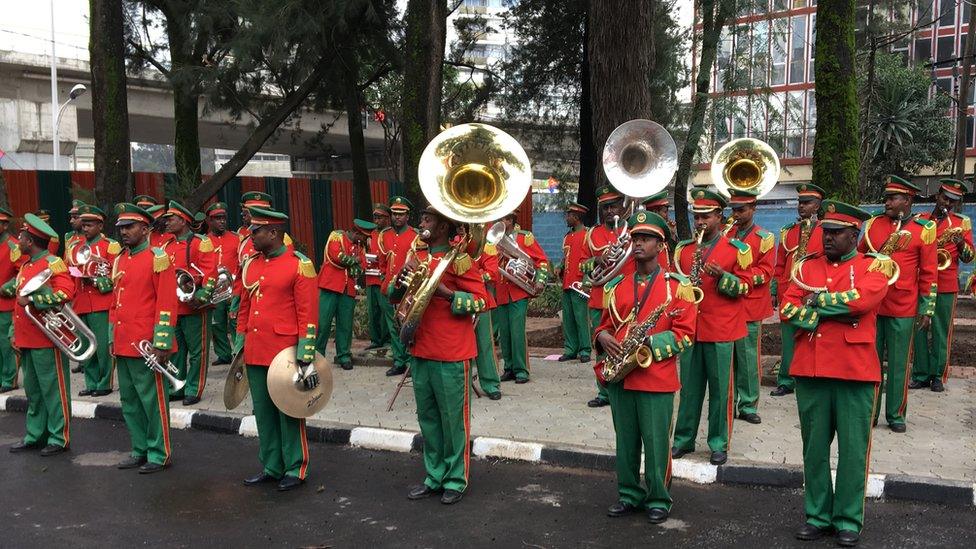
x=124 y=222
x=829 y=224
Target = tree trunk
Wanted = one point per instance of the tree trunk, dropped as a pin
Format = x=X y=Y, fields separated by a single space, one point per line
x=835 y=152
x=110 y=112
x=186 y=110
x=588 y=158
x=426 y=33
x=962 y=104
x=3 y=191
x=713 y=18
x=361 y=197
x=867 y=95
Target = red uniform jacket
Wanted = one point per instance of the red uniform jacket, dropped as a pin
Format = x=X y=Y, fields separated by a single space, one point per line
x=721 y=315
x=446 y=331
x=505 y=291
x=225 y=246
x=758 y=302
x=201 y=255
x=948 y=279
x=397 y=246
x=914 y=291
x=375 y=246
x=824 y=345
x=574 y=252
x=10 y=261
x=145 y=300
x=488 y=265
x=160 y=240
x=59 y=290
x=281 y=307
x=339 y=257
x=673 y=333
x=89 y=298
x=789 y=240
x=597 y=240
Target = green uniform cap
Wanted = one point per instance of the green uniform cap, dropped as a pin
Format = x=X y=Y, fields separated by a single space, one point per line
x=742 y=197
x=143 y=200
x=656 y=199
x=953 y=188
x=381 y=209
x=36 y=226
x=838 y=215
x=400 y=204
x=128 y=213
x=217 y=208
x=706 y=200
x=256 y=198
x=898 y=185
x=809 y=191
x=265 y=216
x=75 y=204
x=89 y=211
x=364 y=226
x=175 y=208
x=644 y=222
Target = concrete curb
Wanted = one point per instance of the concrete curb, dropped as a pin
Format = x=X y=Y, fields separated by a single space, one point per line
x=900 y=487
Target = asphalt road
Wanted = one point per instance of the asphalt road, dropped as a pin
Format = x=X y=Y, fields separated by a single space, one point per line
x=357 y=498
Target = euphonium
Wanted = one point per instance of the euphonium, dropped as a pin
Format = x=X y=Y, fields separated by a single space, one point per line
x=634 y=350
x=187 y=283
x=169 y=370
x=614 y=256
x=514 y=264
x=372 y=265
x=224 y=288
x=62 y=325
x=944 y=257
x=88 y=264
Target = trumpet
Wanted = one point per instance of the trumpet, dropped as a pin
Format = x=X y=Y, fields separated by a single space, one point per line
x=169 y=370
x=62 y=326
x=518 y=267
x=187 y=283
x=88 y=264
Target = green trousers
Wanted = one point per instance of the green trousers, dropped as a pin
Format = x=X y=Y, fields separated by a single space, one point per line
x=511 y=331
x=748 y=369
x=8 y=359
x=895 y=338
x=595 y=314
x=706 y=365
x=931 y=357
x=787 y=332
x=284 y=446
x=339 y=308
x=642 y=419
x=576 y=325
x=486 y=360
x=376 y=303
x=48 y=387
x=397 y=348
x=193 y=354
x=828 y=408
x=444 y=414
x=98 y=368
x=145 y=408
x=222 y=328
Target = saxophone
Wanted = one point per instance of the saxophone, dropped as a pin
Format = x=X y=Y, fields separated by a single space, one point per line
x=806 y=229
x=898 y=240
x=634 y=350
x=944 y=257
x=697 y=260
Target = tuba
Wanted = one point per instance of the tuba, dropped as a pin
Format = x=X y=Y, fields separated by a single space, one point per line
x=518 y=267
x=187 y=282
x=745 y=164
x=87 y=264
x=471 y=173
x=62 y=326
x=639 y=159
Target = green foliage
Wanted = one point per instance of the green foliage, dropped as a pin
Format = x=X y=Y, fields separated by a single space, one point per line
x=548 y=303
x=360 y=319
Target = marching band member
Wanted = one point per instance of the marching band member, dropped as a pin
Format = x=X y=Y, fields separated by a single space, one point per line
x=158 y=236
x=576 y=321
x=341 y=265
x=144 y=201
x=74 y=221
x=46 y=379
x=911 y=300
x=598 y=238
x=278 y=310
x=143 y=309
x=642 y=404
x=376 y=302
x=796 y=239
x=225 y=246
x=931 y=360
x=193 y=253
x=487 y=359
x=441 y=370
x=93 y=297
x=396 y=240
x=660 y=204
x=512 y=304
x=723 y=266
x=10 y=260
x=260 y=200
x=837 y=371
x=747 y=358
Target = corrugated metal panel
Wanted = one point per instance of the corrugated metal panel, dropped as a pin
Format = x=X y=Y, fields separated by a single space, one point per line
x=525 y=213
x=230 y=194
x=84 y=180
x=342 y=204
x=320 y=191
x=249 y=183
x=277 y=187
x=21 y=191
x=379 y=191
x=396 y=188
x=300 y=215
x=149 y=183
x=54 y=195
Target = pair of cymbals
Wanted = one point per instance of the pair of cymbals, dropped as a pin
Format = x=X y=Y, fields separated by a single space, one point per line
x=288 y=394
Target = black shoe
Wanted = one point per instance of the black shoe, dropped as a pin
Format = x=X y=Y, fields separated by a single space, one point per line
x=810 y=532
x=598 y=402
x=897 y=427
x=937 y=386
x=6 y=389
x=420 y=492
x=150 y=468
x=101 y=392
x=131 y=463
x=396 y=371
x=521 y=380
x=584 y=359
x=620 y=509
x=289 y=482
x=53 y=450
x=85 y=392
x=77 y=370
x=174 y=397
x=24 y=447
x=848 y=538
x=782 y=390
x=915 y=384
x=508 y=375
x=259 y=478
x=190 y=400
x=451 y=497
x=678 y=453
x=657 y=516
x=751 y=418
x=495 y=396
x=718 y=458
x=566 y=358
x=221 y=361
x=346 y=365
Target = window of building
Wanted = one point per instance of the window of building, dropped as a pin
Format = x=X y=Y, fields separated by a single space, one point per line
x=776 y=108
x=780 y=5
x=757 y=117
x=923 y=50
x=760 y=53
x=945 y=48
x=723 y=60
x=813 y=42
x=476 y=3
x=947 y=13
x=811 y=120
x=799 y=4
x=944 y=85
x=795 y=123
x=969 y=132
x=965 y=12
x=777 y=52
x=798 y=41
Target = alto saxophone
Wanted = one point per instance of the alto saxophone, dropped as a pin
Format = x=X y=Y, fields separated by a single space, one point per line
x=898 y=240
x=697 y=260
x=942 y=253
x=806 y=229
x=634 y=350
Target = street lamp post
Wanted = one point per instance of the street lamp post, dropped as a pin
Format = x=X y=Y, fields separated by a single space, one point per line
x=77 y=91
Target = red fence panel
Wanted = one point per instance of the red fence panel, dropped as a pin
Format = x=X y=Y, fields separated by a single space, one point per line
x=342 y=207
x=85 y=180
x=249 y=183
x=524 y=213
x=379 y=191
x=151 y=184
x=22 y=191
x=300 y=213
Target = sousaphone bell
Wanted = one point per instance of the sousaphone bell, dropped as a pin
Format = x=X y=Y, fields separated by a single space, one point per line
x=745 y=164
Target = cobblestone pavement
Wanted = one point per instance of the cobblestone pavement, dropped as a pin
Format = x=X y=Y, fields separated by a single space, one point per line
x=940 y=442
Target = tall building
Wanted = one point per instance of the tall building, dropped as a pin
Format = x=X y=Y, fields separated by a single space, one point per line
x=490 y=46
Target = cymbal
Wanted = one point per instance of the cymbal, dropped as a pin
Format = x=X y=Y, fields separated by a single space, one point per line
x=236 y=385
x=291 y=397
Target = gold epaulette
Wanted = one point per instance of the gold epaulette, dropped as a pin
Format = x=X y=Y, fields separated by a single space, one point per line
x=114 y=247
x=462 y=263
x=767 y=243
x=928 y=233
x=305 y=266
x=529 y=238
x=744 y=255
x=56 y=265
x=490 y=249
x=15 y=254
x=287 y=239
x=967 y=225
x=160 y=260
x=882 y=264
x=206 y=245
x=685 y=291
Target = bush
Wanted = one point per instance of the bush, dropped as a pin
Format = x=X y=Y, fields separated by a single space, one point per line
x=548 y=303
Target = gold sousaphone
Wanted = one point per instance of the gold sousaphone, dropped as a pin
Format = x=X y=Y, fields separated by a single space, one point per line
x=745 y=164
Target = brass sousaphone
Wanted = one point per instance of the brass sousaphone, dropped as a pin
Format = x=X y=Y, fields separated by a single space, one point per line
x=745 y=164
